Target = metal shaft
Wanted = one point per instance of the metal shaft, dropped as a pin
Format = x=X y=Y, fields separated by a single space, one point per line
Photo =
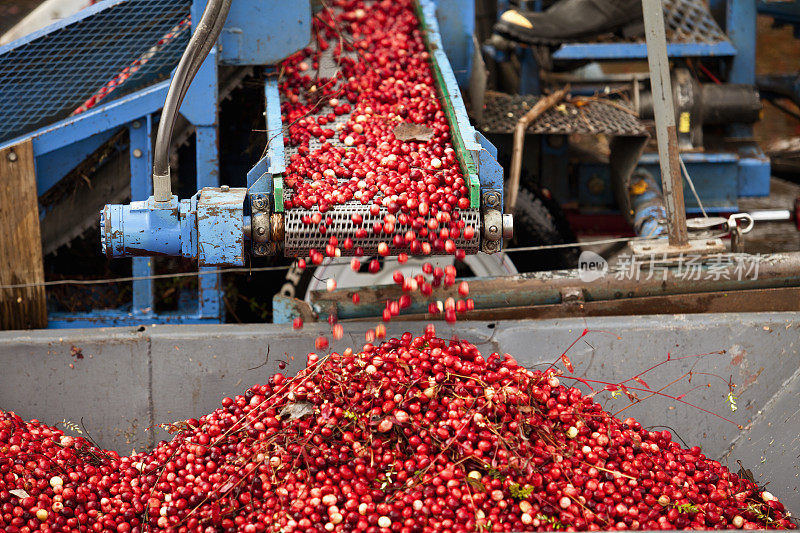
x=663 y=108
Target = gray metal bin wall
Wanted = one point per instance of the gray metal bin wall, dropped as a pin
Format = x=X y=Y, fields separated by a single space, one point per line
x=131 y=379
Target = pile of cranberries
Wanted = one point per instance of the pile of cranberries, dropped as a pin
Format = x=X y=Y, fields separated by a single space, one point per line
x=414 y=434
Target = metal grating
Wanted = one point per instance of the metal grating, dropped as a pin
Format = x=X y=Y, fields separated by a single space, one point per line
x=689 y=21
x=686 y=21
x=127 y=46
x=502 y=112
x=300 y=238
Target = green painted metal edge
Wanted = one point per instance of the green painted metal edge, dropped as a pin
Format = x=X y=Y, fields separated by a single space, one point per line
x=474 y=191
x=468 y=167
x=277 y=188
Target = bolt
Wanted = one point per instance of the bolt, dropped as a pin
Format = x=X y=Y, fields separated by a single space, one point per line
x=261 y=249
x=261 y=230
x=137 y=153
x=490 y=246
x=225 y=188
x=491 y=199
x=12 y=156
x=136 y=124
x=258 y=202
x=493 y=230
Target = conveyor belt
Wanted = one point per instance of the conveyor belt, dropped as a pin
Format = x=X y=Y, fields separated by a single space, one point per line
x=300 y=238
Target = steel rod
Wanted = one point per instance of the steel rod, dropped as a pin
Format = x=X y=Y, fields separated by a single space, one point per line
x=620 y=283
x=666 y=135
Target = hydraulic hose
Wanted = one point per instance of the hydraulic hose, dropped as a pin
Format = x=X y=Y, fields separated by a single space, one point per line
x=203 y=39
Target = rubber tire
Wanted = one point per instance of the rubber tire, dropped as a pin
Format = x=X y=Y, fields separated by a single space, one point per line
x=538 y=220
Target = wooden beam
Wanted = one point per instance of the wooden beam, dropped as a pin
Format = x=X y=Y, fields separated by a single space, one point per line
x=20 y=241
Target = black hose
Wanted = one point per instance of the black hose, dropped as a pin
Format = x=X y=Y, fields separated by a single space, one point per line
x=203 y=39
x=217 y=24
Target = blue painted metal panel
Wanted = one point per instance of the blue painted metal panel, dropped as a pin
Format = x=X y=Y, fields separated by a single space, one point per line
x=103 y=118
x=103 y=318
x=457 y=26
x=554 y=164
x=753 y=177
x=53 y=166
x=97 y=55
x=600 y=51
x=529 y=82
x=490 y=172
x=141 y=158
x=283 y=312
x=207 y=156
x=189 y=227
x=258 y=171
x=486 y=144
x=200 y=105
x=741 y=30
x=275 y=146
x=209 y=285
x=264 y=33
x=210 y=294
x=594 y=185
x=140 y=228
x=259 y=178
x=715 y=176
x=141 y=163
x=220 y=227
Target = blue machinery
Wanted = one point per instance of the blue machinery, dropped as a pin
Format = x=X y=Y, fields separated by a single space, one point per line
x=143 y=39
x=118 y=54
x=723 y=171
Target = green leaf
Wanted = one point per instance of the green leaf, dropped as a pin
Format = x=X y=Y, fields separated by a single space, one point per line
x=520 y=493
x=732 y=401
x=552 y=520
x=686 y=508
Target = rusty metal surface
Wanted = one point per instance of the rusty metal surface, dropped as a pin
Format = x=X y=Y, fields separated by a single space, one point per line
x=619 y=283
x=130 y=380
x=748 y=301
x=502 y=112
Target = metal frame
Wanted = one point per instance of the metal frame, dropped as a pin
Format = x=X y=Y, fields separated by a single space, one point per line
x=60 y=146
x=210 y=226
x=725 y=175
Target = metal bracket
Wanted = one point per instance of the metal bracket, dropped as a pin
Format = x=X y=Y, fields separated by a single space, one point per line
x=662 y=247
x=259 y=224
x=700 y=224
x=496 y=226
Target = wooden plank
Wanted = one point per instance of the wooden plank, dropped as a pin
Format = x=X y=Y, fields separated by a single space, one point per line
x=20 y=241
